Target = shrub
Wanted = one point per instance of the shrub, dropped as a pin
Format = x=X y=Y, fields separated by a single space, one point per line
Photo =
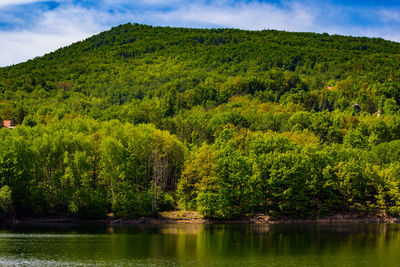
x=5 y=200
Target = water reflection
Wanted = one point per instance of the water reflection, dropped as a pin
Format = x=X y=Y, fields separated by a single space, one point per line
x=268 y=245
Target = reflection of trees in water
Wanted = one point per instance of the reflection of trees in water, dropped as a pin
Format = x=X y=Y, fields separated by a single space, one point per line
x=300 y=238
x=205 y=243
x=291 y=239
x=182 y=229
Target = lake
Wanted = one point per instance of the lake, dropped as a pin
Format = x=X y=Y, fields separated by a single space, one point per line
x=200 y=244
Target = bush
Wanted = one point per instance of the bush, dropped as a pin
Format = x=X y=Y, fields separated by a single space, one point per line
x=208 y=204
x=165 y=202
x=5 y=200
x=90 y=206
x=133 y=204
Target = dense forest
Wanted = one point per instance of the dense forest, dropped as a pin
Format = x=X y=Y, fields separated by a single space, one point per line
x=229 y=123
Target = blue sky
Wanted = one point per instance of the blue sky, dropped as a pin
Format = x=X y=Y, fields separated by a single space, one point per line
x=30 y=28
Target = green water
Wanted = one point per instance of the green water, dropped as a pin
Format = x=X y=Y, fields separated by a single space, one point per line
x=202 y=245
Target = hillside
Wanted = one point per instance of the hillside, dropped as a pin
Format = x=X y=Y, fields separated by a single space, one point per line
x=230 y=123
x=134 y=61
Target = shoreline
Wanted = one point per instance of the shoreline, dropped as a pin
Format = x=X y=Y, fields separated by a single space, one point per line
x=190 y=217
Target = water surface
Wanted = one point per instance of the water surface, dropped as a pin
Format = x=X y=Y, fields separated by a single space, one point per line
x=202 y=245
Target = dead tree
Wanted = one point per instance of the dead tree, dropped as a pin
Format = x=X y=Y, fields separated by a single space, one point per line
x=160 y=175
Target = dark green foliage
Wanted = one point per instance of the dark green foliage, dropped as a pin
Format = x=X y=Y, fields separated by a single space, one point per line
x=5 y=200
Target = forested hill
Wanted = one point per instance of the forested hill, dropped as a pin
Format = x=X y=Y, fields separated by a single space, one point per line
x=134 y=61
x=230 y=123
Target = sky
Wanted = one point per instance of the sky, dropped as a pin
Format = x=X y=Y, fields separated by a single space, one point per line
x=30 y=28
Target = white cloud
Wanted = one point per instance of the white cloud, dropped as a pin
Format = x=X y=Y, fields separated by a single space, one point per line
x=71 y=19
x=387 y=33
x=390 y=15
x=252 y=16
x=4 y=3
x=24 y=45
x=55 y=29
x=154 y=3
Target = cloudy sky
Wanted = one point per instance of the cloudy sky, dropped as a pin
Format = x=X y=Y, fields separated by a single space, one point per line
x=30 y=28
